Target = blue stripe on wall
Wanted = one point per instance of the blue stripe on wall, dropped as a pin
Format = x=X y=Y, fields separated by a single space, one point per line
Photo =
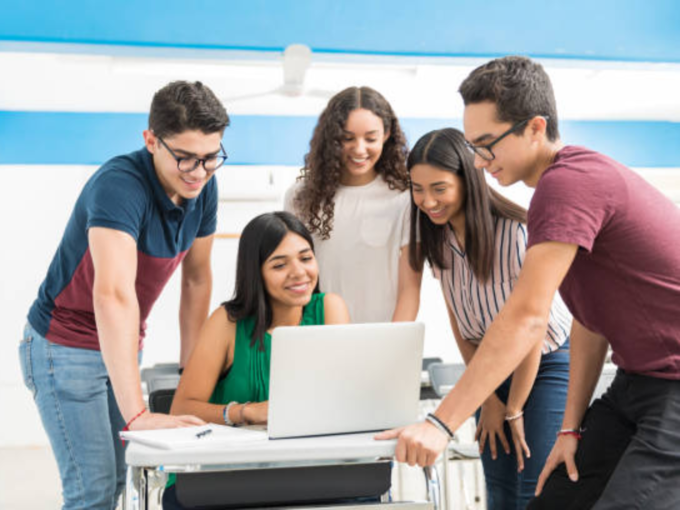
x=92 y=138
x=636 y=30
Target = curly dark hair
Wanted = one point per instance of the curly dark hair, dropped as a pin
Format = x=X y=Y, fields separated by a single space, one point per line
x=321 y=174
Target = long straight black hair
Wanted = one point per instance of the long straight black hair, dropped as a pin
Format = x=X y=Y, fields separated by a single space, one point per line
x=445 y=149
x=259 y=239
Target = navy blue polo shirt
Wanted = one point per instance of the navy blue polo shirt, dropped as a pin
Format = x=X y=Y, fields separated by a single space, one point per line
x=124 y=194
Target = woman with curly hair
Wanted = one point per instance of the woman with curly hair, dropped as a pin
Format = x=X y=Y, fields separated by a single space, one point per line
x=353 y=196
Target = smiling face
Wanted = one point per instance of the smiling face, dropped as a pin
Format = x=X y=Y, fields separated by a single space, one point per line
x=362 y=145
x=438 y=193
x=290 y=273
x=516 y=155
x=180 y=186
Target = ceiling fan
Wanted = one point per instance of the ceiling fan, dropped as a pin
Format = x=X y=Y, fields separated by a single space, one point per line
x=297 y=58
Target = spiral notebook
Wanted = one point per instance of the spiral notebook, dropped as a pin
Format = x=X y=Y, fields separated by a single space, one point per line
x=204 y=436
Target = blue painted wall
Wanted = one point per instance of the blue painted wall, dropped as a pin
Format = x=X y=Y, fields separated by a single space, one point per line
x=628 y=30
x=92 y=138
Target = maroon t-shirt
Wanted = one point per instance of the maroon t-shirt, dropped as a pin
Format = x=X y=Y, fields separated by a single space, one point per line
x=625 y=280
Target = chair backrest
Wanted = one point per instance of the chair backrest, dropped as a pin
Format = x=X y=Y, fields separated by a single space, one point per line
x=159 y=370
x=160 y=401
x=444 y=375
x=428 y=361
x=426 y=390
x=161 y=383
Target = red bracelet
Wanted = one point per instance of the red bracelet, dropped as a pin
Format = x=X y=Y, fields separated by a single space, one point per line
x=127 y=425
x=570 y=432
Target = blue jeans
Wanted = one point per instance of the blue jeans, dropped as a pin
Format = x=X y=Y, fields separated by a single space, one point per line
x=73 y=393
x=506 y=489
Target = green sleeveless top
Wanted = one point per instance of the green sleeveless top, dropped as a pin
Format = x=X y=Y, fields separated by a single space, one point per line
x=247 y=380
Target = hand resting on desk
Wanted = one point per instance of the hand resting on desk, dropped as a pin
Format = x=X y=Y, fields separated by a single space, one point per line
x=419 y=444
x=149 y=421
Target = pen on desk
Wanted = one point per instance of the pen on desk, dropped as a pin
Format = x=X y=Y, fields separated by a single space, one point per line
x=203 y=434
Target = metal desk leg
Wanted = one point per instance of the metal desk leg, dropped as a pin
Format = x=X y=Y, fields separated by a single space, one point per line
x=446 y=480
x=132 y=486
x=432 y=484
x=143 y=489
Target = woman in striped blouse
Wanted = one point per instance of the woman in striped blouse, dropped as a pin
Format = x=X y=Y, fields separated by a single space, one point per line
x=475 y=241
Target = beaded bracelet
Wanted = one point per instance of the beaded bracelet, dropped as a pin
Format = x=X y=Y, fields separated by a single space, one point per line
x=225 y=413
x=514 y=416
x=439 y=424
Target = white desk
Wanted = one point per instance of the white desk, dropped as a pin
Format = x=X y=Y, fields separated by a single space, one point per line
x=146 y=463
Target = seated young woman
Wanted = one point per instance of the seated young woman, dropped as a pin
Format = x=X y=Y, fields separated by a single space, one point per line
x=227 y=377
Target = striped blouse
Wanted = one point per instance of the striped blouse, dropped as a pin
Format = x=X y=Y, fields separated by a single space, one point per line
x=475 y=304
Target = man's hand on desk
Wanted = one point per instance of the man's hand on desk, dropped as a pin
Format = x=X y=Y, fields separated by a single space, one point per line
x=148 y=421
x=419 y=444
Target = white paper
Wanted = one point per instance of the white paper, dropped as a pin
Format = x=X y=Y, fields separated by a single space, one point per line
x=204 y=436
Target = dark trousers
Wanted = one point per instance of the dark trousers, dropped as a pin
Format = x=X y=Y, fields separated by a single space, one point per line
x=629 y=456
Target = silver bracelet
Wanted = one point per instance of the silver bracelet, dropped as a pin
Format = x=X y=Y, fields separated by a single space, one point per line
x=241 y=418
x=514 y=416
x=225 y=413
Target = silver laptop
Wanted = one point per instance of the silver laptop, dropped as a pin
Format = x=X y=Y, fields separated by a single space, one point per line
x=344 y=378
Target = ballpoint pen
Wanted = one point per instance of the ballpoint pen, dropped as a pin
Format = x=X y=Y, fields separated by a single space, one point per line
x=203 y=433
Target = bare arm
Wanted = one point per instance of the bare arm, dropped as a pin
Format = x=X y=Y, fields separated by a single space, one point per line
x=492 y=416
x=518 y=328
x=523 y=380
x=408 y=290
x=212 y=354
x=335 y=309
x=587 y=354
x=116 y=309
x=195 y=299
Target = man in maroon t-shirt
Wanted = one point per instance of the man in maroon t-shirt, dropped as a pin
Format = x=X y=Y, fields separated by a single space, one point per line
x=610 y=243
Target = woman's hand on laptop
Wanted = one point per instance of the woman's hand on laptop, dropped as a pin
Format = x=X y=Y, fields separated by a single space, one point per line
x=419 y=444
x=256 y=413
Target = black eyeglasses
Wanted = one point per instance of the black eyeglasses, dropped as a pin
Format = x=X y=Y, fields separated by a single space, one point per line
x=485 y=152
x=189 y=164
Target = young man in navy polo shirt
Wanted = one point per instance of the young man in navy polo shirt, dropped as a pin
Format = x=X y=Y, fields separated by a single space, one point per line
x=137 y=219
x=610 y=243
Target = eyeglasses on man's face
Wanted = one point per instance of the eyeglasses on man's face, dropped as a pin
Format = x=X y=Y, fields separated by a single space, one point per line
x=485 y=152
x=189 y=164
